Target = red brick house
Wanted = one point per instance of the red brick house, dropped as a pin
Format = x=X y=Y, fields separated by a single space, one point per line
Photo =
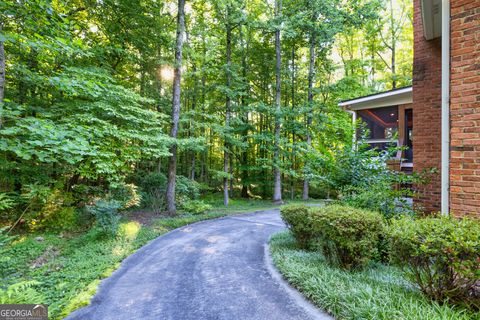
x=441 y=121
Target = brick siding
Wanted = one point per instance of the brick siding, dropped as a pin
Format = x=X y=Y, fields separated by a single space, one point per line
x=426 y=112
x=465 y=108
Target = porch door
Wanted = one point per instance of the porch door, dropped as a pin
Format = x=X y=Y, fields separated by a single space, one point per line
x=409 y=135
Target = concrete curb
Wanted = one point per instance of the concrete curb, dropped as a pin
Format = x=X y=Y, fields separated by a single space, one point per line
x=296 y=296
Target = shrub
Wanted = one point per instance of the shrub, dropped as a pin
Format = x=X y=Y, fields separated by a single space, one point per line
x=347 y=237
x=441 y=255
x=49 y=209
x=195 y=206
x=126 y=194
x=152 y=188
x=298 y=220
x=186 y=188
x=106 y=214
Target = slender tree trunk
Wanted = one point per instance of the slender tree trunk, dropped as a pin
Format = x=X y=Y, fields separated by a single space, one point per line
x=2 y=79
x=292 y=182
x=172 y=164
x=192 y=123
x=311 y=71
x=277 y=189
x=227 y=114
x=243 y=102
x=203 y=173
x=394 y=71
x=394 y=45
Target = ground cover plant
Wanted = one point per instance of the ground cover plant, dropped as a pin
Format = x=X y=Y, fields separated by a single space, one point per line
x=378 y=292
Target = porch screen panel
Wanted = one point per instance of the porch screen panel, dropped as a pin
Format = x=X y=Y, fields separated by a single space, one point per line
x=381 y=124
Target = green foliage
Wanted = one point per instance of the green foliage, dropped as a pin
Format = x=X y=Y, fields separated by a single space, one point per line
x=186 y=189
x=106 y=214
x=441 y=255
x=195 y=206
x=347 y=237
x=298 y=219
x=377 y=292
x=126 y=194
x=152 y=187
x=6 y=202
x=5 y=237
x=21 y=292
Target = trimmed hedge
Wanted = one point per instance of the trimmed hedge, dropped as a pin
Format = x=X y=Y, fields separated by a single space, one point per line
x=298 y=220
x=346 y=236
x=441 y=255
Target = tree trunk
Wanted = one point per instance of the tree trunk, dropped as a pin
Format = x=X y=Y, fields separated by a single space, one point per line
x=2 y=79
x=172 y=164
x=311 y=71
x=227 y=113
x=292 y=182
x=243 y=102
x=277 y=189
x=192 y=123
x=393 y=47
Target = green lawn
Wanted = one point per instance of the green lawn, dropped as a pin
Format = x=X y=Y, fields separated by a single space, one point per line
x=376 y=293
x=69 y=267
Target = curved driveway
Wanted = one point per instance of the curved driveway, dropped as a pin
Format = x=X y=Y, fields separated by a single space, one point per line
x=216 y=269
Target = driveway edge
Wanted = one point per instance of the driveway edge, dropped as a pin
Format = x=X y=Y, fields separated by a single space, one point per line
x=296 y=296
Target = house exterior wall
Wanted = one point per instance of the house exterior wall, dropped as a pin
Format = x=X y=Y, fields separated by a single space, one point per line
x=465 y=108
x=426 y=112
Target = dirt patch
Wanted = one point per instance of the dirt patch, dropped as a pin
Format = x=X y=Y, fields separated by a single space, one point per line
x=145 y=218
x=50 y=253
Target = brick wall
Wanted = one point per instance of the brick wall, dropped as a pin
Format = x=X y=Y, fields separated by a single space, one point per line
x=465 y=108
x=426 y=111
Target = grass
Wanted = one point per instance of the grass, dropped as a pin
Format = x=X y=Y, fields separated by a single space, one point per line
x=66 y=270
x=379 y=292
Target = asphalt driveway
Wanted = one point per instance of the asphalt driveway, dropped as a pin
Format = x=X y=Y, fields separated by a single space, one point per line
x=216 y=269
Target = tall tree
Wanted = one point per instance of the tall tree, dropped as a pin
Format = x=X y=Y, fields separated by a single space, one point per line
x=311 y=74
x=2 y=76
x=228 y=102
x=172 y=164
x=277 y=188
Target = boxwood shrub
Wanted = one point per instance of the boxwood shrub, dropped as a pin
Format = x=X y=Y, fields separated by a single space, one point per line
x=298 y=220
x=441 y=255
x=348 y=237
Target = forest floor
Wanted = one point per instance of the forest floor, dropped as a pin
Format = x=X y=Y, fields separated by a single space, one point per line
x=64 y=270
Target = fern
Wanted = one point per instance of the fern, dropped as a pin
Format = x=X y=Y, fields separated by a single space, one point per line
x=21 y=292
x=5 y=202
x=5 y=238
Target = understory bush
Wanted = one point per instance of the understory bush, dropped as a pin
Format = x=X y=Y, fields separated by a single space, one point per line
x=106 y=215
x=441 y=255
x=298 y=220
x=152 y=188
x=126 y=194
x=195 y=206
x=348 y=237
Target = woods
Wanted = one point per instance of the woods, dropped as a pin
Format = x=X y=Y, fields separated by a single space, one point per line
x=153 y=103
